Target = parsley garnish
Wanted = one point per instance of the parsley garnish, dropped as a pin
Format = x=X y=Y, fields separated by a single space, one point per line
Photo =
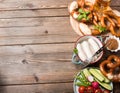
x=83 y=14
x=100 y=28
x=75 y=51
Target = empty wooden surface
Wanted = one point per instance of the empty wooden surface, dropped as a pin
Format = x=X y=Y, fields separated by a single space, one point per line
x=36 y=44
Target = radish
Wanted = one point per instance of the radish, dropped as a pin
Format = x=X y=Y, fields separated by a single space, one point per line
x=90 y=78
x=95 y=84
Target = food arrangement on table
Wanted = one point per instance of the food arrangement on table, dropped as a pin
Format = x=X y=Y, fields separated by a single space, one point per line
x=94 y=17
x=99 y=28
x=91 y=80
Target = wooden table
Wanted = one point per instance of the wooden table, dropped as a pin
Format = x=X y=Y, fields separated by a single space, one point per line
x=36 y=44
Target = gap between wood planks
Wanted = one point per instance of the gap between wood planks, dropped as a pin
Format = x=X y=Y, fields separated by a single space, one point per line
x=38 y=43
x=37 y=13
x=39 y=4
x=71 y=81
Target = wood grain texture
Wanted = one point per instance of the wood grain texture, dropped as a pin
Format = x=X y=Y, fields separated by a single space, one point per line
x=45 y=21
x=36 y=30
x=30 y=64
x=38 y=53
x=36 y=45
x=36 y=4
x=34 y=13
x=60 y=12
x=115 y=3
x=27 y=40
x=12 y=74
x=36 y=49
x=39 y=88
x=30 y=4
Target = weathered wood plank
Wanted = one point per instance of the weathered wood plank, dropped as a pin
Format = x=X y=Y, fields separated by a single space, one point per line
x=36 y=49
x=117 y=8
x=34 y=13
x=44 y=30
x=37 y=73
x=30 y=4
x=37 y=13
x=44 y=88
x=39 y=88
x=37 y=53
x=27 y=40
x=36 y=58
x=37 y=31
x=44 y=21
x=47 y=63
x=115 y=3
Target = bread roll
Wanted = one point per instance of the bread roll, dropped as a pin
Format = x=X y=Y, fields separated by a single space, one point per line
x=85 y=28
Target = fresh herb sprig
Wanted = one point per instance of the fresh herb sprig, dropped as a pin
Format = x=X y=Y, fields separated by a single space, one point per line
x=75 y=51
x=100 y=28
x=83 y=14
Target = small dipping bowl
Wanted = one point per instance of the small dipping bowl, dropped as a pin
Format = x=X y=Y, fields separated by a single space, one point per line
x=76 y=58
x=113 y=43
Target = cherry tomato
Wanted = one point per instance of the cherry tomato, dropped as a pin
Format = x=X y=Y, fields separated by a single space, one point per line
x=98 y=91
x=90 y=89
x=82 y=89
x=106 y=91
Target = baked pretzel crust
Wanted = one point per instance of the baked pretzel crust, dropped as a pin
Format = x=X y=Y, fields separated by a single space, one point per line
x=111 y=68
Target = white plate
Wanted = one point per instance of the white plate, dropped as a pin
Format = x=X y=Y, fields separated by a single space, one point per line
x=75 y=87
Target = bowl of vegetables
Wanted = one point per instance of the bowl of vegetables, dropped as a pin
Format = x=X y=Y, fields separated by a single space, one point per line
x=91 y=80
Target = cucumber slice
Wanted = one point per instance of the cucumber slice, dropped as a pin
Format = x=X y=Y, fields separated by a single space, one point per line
x=105 y=85
x=105 y=79
x=96 y=74
x=86 y=72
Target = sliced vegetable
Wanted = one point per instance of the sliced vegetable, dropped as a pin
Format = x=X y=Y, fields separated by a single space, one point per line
x=83 y=76
x=105 y=79
x=86 y=72
x=105 y=85
x=96 y=74
x=89 y=81
x=90 y=78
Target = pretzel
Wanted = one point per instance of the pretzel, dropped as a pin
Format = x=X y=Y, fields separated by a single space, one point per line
x=97 y=13
x=111 y=68
x=108 y=18
x=114 y=31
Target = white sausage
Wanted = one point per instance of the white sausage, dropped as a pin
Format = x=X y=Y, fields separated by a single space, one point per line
x=86 y=49
x=93 y=45
x=81 y=53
